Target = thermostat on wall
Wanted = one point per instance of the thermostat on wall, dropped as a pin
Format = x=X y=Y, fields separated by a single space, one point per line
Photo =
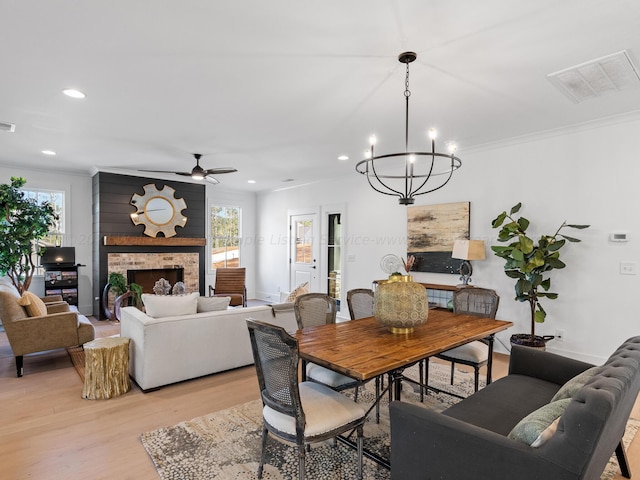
x=618 y=237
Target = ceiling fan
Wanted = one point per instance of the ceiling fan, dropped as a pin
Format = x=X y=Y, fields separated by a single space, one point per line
x=199 y=173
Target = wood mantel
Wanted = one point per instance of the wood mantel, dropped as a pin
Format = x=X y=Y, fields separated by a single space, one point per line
x=154 y=241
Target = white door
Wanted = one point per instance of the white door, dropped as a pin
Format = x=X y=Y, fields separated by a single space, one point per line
x=304 y=246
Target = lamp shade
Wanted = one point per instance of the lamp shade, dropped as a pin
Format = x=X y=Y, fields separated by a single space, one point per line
x=468 y=250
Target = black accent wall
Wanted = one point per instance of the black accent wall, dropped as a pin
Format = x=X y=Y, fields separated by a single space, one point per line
x=111 y=217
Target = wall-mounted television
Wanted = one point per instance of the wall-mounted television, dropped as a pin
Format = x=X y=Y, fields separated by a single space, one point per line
x=59 y=256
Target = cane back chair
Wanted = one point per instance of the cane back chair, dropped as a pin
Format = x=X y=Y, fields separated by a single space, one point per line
x=300 y=413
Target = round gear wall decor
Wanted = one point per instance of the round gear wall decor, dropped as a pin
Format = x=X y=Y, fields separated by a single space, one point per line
x=158 y=210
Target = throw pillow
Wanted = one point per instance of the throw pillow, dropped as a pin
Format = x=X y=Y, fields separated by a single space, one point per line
x=159 y=306
x=212 y=304
x=539 y=426
x=299 y=290
x=569 y=389
x=34 y=306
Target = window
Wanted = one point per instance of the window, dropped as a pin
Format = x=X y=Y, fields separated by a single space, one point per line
x=55 y=198
x=225 y=236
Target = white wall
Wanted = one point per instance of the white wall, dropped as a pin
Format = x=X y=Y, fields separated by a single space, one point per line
x=585 y=174
x=78 y=226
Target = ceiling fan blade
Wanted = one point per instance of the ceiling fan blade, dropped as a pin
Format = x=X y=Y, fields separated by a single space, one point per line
x=165 y=171
x=220 y=171
x=212 y=180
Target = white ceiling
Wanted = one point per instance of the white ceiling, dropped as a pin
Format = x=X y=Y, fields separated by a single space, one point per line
x=279 y=89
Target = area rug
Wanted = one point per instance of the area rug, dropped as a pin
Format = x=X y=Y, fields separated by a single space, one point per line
x=225 y=445
x=77 y=359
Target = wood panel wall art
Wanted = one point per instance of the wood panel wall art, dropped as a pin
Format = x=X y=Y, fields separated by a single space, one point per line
x=431 y=231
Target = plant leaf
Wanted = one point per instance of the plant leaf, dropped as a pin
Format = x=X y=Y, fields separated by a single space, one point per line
x=514 y=274
x=539 y=316
x=524 y=223
x=498 y=220
x=555 y=263
x=570 y=239
x=581 y=227
x=555 y=246
x=516 y=208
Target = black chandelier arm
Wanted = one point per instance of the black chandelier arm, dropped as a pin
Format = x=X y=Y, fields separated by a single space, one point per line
x=415 y=193
x=373 y=167
x=428 y=176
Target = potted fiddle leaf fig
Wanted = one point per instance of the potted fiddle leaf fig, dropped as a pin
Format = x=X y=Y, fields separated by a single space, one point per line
x=23 y=221
x=530 y=263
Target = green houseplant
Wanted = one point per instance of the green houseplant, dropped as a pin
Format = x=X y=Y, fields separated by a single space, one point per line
x=23 y=222
x=530 y=263
x=117 y=285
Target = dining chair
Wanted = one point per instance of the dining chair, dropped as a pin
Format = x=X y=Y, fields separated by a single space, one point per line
x=312 y=310
x=301 y=413
x=480 y=302
x=230 y=282
x=360 y=303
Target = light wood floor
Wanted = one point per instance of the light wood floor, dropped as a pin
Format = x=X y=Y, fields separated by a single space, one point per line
x=47 y=431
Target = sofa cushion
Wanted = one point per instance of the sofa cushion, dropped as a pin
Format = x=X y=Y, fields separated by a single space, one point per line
x=212 y=304
x=540 y=425
x=34 y=306
x=569 y=389
x=501 y=405
x=159 y=306
x=299 y=290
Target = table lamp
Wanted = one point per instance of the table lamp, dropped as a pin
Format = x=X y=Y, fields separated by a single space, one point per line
x=467 y=250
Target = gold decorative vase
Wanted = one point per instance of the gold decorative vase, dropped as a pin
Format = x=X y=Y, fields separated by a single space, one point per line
x=401 y=305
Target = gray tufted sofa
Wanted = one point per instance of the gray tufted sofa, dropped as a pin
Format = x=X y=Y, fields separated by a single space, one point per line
x=470 y=439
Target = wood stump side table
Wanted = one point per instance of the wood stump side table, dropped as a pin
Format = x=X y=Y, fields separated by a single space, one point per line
x=106 y=368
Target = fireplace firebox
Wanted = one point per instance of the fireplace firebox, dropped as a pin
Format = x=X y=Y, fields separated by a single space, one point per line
x=147 y=278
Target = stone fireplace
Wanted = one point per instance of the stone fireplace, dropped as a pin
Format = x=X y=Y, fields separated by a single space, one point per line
x=189 y=262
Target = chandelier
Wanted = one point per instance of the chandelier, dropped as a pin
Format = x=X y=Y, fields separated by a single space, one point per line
x=408 y=174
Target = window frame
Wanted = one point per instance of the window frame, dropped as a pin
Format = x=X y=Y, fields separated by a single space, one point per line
x=212 y=238
x=54 y=239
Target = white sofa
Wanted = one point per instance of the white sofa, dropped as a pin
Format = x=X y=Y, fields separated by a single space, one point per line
x=171 y=349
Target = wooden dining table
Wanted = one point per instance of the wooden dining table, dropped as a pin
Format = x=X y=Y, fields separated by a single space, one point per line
x=364 y=349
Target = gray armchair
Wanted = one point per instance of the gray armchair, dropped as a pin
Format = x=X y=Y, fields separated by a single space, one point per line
x=59 y=328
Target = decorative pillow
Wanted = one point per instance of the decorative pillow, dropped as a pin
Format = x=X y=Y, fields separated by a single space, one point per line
x=211 y=304
x=539 y=426
x=34 y=306
x=299 y=290
x=569 y=389
x=159 y=306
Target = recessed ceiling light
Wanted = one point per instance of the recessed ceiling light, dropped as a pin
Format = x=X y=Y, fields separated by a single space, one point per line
x=251 y=181
x=73 y=93
x=343 y=157
x=49 y=152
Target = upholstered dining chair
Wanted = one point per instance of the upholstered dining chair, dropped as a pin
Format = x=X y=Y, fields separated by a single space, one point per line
x=230 y=282
x=301 y=413
x=360 y=303
x=312 y=310
x=481 y=302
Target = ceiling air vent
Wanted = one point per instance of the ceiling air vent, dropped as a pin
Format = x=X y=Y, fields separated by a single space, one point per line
x=7 y=127
x=598 y=77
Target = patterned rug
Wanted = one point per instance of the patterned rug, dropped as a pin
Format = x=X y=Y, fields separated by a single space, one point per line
x=225 y=445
